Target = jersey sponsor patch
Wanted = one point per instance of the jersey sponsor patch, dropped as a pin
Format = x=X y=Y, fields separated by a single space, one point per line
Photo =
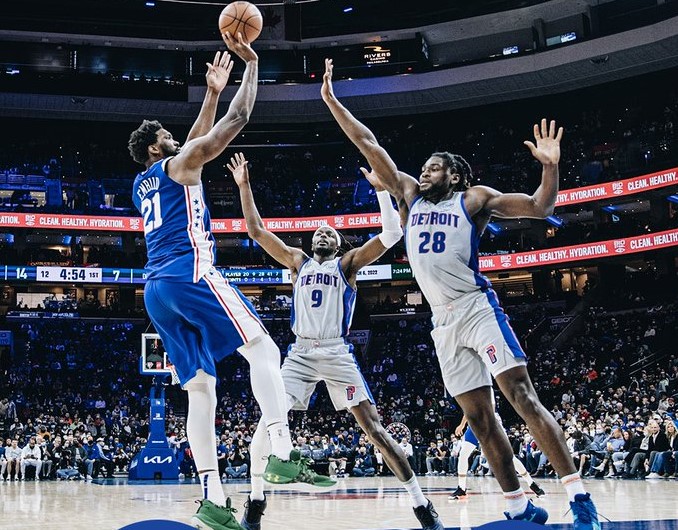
x=491 y=352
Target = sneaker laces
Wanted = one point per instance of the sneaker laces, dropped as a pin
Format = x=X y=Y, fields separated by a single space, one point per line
x=305 y=471
x=227 y=507
x=587 y=517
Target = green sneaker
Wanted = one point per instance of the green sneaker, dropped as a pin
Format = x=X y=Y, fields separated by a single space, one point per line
x=211 y=516
x=296 y=469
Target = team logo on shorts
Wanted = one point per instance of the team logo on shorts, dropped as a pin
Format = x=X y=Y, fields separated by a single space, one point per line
x=491 y=352
x=350 y=392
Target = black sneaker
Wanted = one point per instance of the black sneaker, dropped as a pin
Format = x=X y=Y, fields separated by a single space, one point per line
x=537 y=489
x=428 y=517
x=458 y=494
x=251 y=520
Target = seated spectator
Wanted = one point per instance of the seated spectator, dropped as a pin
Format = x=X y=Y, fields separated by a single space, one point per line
x=363 y=466
x=31 y=456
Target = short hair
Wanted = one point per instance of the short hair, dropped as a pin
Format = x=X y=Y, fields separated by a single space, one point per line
x=139 y=140
x=458 y=165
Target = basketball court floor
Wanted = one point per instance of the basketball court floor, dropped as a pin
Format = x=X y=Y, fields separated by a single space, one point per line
x=355 y=504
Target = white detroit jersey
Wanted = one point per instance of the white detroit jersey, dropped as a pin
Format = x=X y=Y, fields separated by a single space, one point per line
x=323 y=301
x=442 y=247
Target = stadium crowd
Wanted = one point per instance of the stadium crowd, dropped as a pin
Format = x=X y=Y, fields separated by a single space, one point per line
x=76 y=407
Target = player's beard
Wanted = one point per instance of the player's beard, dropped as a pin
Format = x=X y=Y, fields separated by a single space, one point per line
x=324 y=252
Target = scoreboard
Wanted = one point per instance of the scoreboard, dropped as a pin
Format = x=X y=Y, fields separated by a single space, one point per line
x=237 y=275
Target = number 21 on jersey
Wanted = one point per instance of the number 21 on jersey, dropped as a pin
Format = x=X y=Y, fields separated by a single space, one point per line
x=150 y=209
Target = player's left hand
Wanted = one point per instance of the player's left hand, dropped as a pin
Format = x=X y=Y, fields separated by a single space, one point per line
x=238 y=166
x=327 y=91
x=373 y=178
x=219 y=71
x=547 y=148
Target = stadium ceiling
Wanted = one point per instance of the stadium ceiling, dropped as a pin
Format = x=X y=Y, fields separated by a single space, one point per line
x=196 y=19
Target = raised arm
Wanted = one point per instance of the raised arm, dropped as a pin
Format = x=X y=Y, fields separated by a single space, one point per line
x=357 y=258
x=290 y=257
x=217 y=76
x=397 y=183
x=542 y=202
x=186 y=167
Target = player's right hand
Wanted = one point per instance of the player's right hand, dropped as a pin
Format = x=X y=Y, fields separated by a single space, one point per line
x=240 y=47
x=373 y=179
x=459 y=430
x=238 y=167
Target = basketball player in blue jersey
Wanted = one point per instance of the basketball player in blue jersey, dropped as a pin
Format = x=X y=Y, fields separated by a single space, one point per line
x=324 y=292
x=445 y=217
x=199 y=315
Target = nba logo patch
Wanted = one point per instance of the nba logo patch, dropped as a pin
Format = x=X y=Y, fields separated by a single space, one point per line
x=491 y=352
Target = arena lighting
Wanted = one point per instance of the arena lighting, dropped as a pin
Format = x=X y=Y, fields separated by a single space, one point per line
x=673 y=198
x=609 y=209
x=494 y=228
x=555 y=221
x=348 y=9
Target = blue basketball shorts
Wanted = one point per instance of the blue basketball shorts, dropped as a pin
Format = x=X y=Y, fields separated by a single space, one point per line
x=470 y=437
x=200 y=323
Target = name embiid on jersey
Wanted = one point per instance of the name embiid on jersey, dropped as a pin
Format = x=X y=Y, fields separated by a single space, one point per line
x=179 y=243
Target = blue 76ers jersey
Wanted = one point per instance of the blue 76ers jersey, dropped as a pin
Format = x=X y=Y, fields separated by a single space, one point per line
x=179 y=243
x=323 y=301
x=442 y=247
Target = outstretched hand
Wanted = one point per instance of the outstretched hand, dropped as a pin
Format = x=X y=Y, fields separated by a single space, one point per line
x=241 y=48
x=547 y=148
x=219 y=71
x=327 y=91
x=374 y=179
x=238 y=167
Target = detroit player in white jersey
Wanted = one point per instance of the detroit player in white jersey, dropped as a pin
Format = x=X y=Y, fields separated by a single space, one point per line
x=200 y=317
x=445 y=217
x=324 y=291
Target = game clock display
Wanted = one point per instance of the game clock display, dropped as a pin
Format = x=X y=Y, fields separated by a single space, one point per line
x=69 y=274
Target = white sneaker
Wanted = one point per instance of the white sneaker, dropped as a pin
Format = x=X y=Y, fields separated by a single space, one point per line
x=653 y=475
x=89 y=477
x=599 y=467
x=610 y=475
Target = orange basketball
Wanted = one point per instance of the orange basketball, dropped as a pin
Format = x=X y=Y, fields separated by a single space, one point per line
x=241 y=17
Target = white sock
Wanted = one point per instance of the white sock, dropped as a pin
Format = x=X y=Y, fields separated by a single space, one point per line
x=416 y=495
x=279 y=436
x=268 y=388
x=260 y=448
x=573 y=485
x=202 y=402
x=520 y=468
x=516 y=502
x=212 y=489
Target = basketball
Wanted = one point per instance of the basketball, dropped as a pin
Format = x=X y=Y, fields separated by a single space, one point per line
x=241 y=17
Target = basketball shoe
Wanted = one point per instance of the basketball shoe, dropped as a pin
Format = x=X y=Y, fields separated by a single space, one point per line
x=532 y=514
x=296 y=469
x=584 y=513
x=211 y=516
x=458 y=494
x=251 y=519
x=428 y=517
x=537 y=489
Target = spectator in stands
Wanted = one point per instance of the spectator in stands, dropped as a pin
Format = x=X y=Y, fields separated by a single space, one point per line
x=31 y=456
x=13 y=454
x=3 y=460
x=363 y=464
